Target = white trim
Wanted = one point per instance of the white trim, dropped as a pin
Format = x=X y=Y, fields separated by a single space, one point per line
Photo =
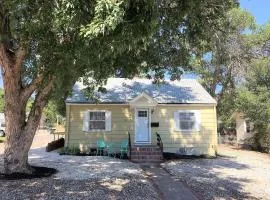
x=150 y=102
x=143 y=94
x=126 y=104
x=149 y=126
x=187 y=104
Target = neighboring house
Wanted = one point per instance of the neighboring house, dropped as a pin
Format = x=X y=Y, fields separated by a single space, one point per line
x=243 y=129
x=182 y=112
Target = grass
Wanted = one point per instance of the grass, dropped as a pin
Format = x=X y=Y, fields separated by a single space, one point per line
x=2 y=139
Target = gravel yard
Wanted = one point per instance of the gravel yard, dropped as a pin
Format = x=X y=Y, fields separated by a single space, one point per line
x=80 y=177
x=243 y=175
x=88 y=177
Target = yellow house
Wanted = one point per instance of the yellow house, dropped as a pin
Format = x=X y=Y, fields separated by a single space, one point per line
x=181 y=112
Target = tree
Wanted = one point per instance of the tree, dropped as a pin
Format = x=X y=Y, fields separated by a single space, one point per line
x=224 y=67
x=45 y=46
x=253 y=99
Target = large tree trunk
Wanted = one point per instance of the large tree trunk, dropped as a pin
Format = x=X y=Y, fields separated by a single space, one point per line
x=20 y=136
x=20 y=130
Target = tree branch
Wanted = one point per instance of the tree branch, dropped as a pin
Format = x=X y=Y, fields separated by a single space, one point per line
x=20 y=56
x=29 y=89
x=39 y=104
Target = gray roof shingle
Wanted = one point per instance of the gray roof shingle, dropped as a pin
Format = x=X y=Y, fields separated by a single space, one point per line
x=121 y=90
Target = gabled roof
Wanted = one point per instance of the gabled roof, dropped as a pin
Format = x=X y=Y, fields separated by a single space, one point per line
x=121 y=90
x=143 y=99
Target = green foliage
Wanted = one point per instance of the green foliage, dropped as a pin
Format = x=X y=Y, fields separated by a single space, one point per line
x=53 y=115
x=68 y=39
x=224 y=66
x=254 y=100
x=72 y=150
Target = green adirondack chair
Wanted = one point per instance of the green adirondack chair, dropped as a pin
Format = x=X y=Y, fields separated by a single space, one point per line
x=110 y=149
x=123 y=148
x=100 y=146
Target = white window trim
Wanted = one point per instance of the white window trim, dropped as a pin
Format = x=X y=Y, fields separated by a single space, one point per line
x=197 y=122
x=86 y=122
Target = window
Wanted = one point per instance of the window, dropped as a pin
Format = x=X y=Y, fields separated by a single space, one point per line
x=248 y=127
x=187 y=120
x=142 y=113
x=97 y=121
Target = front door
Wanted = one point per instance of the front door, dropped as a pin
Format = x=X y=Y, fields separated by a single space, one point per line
x=142 y=133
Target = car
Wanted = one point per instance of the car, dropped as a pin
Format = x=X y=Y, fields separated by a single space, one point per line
x=2 y=130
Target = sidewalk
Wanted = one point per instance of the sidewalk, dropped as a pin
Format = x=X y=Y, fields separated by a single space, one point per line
x=169 y=187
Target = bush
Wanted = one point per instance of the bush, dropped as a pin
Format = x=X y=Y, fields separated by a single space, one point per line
x=72 y=150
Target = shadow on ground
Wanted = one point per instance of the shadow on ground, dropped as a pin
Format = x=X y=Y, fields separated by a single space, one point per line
x=87 y=177
x=211 y=178
x=75 y=189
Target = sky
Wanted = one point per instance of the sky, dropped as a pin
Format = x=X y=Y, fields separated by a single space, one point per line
x=260 y=9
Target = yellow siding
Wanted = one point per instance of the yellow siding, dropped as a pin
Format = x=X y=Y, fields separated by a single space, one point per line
x=204 y=141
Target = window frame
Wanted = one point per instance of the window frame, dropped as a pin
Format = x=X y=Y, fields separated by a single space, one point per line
x=97 y=111
x=86 y=121
x=196 y=126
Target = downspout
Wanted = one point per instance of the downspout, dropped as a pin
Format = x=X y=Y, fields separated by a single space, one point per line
x=67 y=125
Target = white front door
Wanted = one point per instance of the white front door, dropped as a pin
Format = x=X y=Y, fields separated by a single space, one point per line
x=142 y=133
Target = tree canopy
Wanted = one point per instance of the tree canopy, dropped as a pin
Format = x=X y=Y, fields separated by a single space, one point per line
x=45 y=46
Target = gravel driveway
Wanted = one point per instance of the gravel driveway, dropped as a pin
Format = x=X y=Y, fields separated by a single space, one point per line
x=80 y=177
x=245 y=175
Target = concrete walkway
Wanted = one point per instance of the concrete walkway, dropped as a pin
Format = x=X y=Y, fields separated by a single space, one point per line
x=169 y=187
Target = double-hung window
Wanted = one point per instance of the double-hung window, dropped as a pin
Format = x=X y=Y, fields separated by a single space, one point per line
x=96 y=121
x=187 y=120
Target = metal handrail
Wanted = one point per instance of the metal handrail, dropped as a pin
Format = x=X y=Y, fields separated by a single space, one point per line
x=159 y=141
x=129 y=144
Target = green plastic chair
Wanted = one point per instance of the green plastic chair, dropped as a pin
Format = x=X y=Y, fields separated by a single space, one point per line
x=100 y=146
x=123 y=148
x=110 y=149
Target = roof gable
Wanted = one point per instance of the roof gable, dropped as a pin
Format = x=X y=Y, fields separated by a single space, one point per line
x=142 y=100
